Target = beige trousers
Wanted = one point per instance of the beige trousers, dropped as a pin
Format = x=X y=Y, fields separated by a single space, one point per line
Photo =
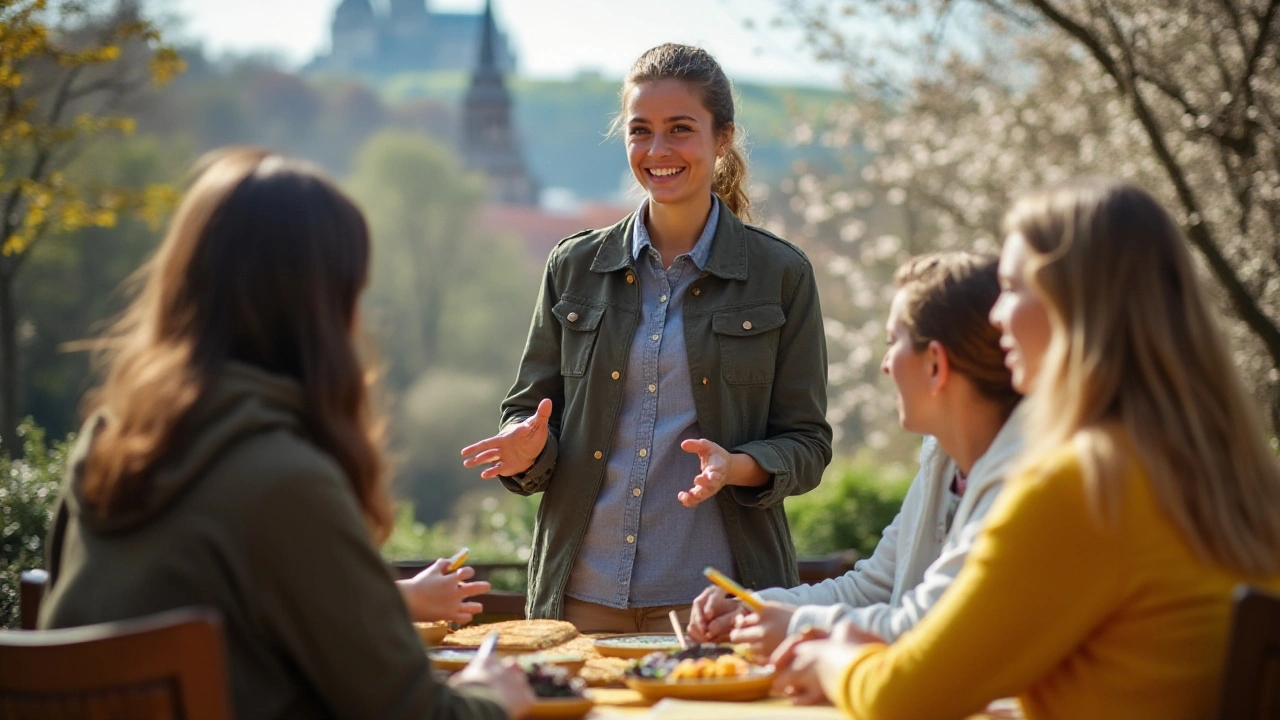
x=592 y=618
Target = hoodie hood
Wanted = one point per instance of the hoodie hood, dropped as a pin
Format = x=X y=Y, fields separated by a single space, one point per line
x=244 y=401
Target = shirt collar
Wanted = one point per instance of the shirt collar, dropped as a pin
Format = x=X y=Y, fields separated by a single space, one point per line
x=701 y=249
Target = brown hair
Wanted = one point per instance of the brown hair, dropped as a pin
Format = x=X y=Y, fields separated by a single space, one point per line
x=1135 y=346
x=695 y=66
x=263 y=263
x=948 y=298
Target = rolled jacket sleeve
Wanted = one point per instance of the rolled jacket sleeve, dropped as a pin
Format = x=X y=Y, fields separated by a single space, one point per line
x=538 y=378
x=797 y=447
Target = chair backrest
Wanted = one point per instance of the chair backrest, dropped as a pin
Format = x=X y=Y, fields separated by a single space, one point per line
x=1251 y=682
x=30 y=592
x=167 y=666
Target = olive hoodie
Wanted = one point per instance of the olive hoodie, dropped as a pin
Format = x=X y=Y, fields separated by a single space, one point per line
x=247 y=515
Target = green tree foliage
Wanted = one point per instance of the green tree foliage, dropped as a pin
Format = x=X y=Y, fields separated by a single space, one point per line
x=64 y=68
x=855 y=502
x=28 y=490
x=448 y=306
x=74 y=283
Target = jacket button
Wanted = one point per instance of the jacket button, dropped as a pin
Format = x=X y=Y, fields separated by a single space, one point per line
x=631 y=539
x=599 y=454
x=697 y=291
x=745 y=325
x=573 y=317
x=704 y=381
x=616 y=374
x=631 y=278
x=635 y=492
x=644 y=452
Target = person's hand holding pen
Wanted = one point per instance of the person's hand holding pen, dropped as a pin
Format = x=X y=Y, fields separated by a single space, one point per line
x=440 y=592
x=506 y=681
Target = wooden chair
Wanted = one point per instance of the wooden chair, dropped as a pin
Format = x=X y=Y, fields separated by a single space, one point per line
x=1251 y=683
x=816 y=569
x=167 y=666
x=30 y=592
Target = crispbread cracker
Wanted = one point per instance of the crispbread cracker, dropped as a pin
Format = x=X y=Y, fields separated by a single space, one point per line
x=515 y=634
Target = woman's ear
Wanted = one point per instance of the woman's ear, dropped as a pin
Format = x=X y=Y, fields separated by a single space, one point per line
x=939 y=366
x=726 y=139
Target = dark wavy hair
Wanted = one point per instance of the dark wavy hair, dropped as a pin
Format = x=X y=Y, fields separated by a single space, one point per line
x=264 y=264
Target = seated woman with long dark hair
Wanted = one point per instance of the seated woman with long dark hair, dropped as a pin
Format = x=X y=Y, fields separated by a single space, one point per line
x=232 y=459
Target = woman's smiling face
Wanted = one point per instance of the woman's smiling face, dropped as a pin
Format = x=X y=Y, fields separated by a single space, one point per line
x=671 y=142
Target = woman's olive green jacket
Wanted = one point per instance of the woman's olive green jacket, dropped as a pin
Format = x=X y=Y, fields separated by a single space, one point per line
x=758 y=364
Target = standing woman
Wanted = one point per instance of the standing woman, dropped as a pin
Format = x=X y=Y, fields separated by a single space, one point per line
x=1101 y=586
x=672 y=390
x=232 y=459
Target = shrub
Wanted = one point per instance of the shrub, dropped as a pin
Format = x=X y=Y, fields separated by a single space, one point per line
x=28 y=490
x=855 y=502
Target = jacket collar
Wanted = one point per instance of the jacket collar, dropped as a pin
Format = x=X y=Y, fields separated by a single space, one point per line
x=728 y=259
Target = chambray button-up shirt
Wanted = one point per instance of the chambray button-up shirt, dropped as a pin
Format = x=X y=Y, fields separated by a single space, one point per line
x=642 y=547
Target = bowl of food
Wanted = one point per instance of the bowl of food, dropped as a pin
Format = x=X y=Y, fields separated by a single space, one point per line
x=431 y=633
x=635 y=645
x=702 y=672
x=559 y=694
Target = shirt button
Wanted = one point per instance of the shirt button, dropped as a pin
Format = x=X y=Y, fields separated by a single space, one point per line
x=573 y=317
x=616 y=374
x=599 y=454
x=697 y=291
x=704 y=381
x=655 y=337
x=653 y=388
x=746 y=325
x=643 y=452
x=662 y=298
x=631 y=539
x=635 y=492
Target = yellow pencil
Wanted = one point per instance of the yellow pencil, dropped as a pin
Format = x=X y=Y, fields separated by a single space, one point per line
x=457 y=559
x=733 y=588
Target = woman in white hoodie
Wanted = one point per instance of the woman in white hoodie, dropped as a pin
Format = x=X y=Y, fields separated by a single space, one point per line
x=945 y=360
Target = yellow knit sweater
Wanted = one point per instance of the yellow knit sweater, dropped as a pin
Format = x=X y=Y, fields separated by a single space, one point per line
x=1081 y=620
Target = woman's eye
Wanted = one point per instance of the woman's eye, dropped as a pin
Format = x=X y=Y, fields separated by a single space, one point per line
x=681 y=128
x=638 y=131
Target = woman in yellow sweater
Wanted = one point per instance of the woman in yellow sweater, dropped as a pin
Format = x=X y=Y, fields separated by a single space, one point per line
x=1101 y=585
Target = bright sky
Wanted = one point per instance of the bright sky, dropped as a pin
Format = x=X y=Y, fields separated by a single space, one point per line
x=553 y=38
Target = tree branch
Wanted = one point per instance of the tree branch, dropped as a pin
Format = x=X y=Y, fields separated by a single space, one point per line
x=1245 y=305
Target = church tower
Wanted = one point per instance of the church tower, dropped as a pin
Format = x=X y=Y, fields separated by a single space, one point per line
x=489 y=142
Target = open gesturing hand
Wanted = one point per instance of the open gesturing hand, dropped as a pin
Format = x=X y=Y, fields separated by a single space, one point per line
x=715 y=464
x=513 y=450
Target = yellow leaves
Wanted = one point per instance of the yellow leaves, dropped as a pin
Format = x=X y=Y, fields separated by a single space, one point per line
x=166 y=64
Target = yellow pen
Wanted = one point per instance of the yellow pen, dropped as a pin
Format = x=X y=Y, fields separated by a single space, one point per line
x=733 y=588
x=456 y=560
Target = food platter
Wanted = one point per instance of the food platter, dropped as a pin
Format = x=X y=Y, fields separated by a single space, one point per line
x=753 y=686
x=635 y=645
x=567 y=708
x=454 y=659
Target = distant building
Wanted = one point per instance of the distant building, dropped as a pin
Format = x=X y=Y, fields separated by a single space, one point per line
x=488 y=139
x=406 y=36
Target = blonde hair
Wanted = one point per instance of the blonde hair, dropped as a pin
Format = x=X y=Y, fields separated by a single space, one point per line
x=695 y=66
x=1135 y=345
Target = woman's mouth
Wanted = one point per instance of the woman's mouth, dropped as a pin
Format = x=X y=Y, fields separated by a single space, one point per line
x=665 y=173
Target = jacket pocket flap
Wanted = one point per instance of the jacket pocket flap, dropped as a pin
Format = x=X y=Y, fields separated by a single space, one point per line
x=748 y=321
x=578 y=316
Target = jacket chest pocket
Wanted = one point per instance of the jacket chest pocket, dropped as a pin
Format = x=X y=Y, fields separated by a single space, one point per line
x=580 y=324
x=748 y=340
